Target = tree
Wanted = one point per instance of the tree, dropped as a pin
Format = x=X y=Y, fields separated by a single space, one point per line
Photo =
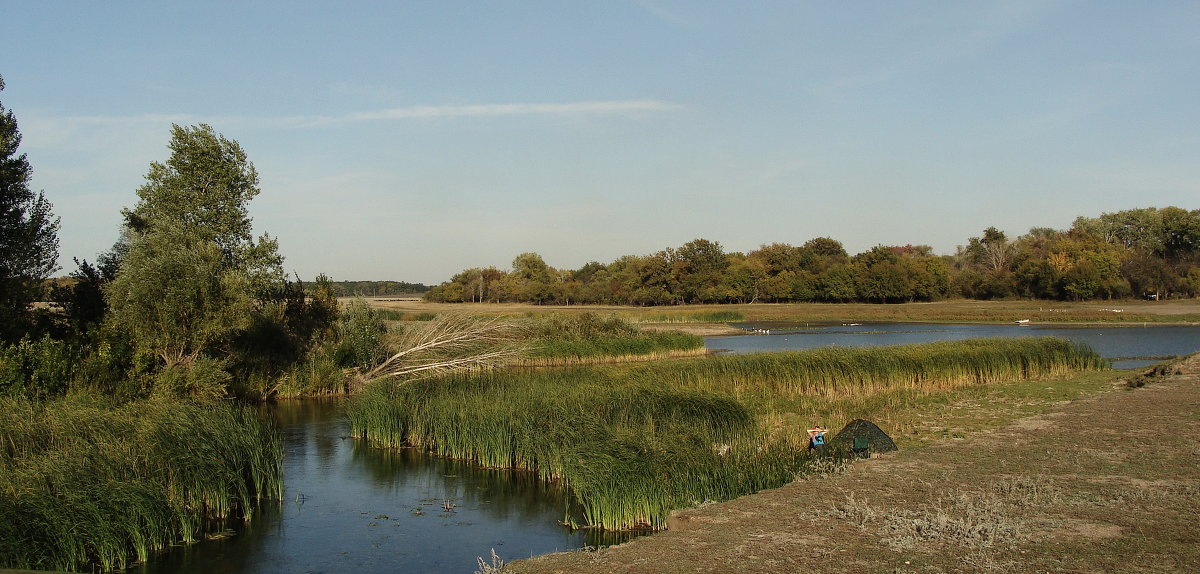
x=203 y=190
x=28 y=234
x=992 y=251
x=533 y=280
x=697 y=265
x=176 y=297
x=450 y=343
x=192 y=279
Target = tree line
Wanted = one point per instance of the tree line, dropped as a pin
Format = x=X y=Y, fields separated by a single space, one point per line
x=1148 y=252
x=376 y=288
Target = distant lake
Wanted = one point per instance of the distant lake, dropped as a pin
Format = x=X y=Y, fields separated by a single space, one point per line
x=1127 y=345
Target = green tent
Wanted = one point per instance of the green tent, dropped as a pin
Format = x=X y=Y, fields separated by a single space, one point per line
x=862 y=437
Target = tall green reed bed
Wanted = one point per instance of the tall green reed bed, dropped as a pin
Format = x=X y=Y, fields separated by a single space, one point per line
x=633 y=442
x=629 y=451
x=85 y=483
x=843 y=372
x=830 y=386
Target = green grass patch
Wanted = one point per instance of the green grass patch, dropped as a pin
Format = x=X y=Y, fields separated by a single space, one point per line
x=588 y=337
x=688 y=316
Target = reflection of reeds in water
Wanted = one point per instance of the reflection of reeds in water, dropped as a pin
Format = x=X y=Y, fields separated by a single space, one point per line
x=84 y=483
x=636 y=441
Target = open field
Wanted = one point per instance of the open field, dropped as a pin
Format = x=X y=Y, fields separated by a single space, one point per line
x=1105 y=482
x=690 y=318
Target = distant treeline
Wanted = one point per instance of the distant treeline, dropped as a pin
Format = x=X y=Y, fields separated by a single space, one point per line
x=1141 y=253
x=376 y=288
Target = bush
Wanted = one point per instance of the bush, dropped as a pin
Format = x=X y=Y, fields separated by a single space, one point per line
x=360 y=335
x=38 y=369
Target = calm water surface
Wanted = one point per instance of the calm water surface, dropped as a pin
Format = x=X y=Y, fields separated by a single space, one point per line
x=1129 y=346
x=349 y=508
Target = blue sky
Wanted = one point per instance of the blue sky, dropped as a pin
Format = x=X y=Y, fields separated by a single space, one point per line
x=412 y=140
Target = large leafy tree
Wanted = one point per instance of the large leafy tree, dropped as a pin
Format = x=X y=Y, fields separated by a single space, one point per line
x=193 y=275
x=28 y=233
x=204 y=189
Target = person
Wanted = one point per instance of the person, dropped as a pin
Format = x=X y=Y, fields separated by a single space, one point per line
x=816 y=438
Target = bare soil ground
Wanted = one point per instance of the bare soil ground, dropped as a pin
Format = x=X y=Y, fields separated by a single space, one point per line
x=1104 y=483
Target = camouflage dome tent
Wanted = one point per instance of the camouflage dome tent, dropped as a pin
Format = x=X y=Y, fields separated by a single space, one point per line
x=863 y=437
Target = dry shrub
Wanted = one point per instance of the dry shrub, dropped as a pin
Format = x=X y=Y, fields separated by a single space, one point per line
x=975 y=519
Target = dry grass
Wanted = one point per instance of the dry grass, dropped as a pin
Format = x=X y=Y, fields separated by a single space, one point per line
x=946 y=311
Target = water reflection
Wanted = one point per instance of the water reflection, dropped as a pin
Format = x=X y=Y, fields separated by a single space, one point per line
x=350 y=508
x=1128 y=346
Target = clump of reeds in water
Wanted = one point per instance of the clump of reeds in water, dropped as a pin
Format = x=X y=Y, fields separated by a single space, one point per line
x=629 y=452
x=86 y=484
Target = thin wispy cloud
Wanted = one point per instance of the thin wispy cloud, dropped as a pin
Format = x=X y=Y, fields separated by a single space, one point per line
x=54 y=130
x=594 y=107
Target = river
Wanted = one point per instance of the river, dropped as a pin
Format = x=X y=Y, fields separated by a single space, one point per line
x=351 y=508
x=1129 y=346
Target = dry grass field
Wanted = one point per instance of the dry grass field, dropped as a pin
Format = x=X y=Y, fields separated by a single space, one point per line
x=954 y=310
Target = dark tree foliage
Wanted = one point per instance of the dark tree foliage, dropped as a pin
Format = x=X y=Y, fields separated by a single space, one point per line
x=81 y=301
x=376 y=288
x=28 y=234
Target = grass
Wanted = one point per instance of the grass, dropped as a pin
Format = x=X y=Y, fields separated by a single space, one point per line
x=89 y=484
x=634 y=442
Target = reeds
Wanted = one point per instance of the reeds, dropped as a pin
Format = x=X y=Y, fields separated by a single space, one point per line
x=633 y=442
x=85 y=483
x=845 y=372
x=630 y=452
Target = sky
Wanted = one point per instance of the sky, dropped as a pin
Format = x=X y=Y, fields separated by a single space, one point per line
x=408 y=141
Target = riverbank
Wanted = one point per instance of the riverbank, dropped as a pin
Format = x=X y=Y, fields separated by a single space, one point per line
x=1103 y=483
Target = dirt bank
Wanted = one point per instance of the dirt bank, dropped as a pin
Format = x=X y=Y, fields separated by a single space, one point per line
x=1107 y=483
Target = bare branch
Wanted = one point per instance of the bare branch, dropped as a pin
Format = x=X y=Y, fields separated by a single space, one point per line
x=447 y=344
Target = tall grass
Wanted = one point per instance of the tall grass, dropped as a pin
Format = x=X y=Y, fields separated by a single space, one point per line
x=633 y=442
x=833 y=385
x=629 y=452
x=843 y=372
x=85 y=483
